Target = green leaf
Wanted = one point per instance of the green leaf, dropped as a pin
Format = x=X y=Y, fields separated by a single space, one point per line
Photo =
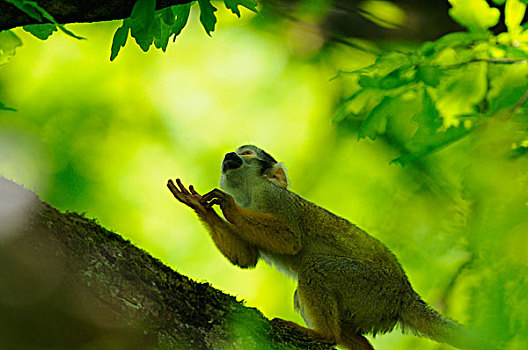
x=50 y=18
x=508 y=83
x=513 y=15
x=167 y=15
x=143 y=12
x=391 y=115
x=462 y=92
x=141 y=20
x=428 y=120
x=148 y=26
x=155 y=27
x=376 y=122
x=430 y=135
x=430 y=75
x=32 y=9
x=514 y=52
x=207 y=16
x=360 y=104
x=68 y=32
x=8 y=44
x=233 y=5
x=385 y=71
x=182 y=15
x=170 y=25
x=162 y=40
x=457 y=39
x=28 y=7
x=120 y=39
x=475 y=15
x=437 y=141
x=41 y=31
x=399 y=77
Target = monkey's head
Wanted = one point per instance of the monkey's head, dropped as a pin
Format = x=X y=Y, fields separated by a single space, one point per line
x=248 y=166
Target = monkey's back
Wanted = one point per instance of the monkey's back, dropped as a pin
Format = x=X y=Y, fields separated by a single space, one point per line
x=360 y=272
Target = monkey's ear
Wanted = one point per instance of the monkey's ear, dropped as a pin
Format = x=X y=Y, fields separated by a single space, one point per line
x=279 y=175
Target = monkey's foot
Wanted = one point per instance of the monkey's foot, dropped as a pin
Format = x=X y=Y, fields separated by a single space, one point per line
x=313 y=333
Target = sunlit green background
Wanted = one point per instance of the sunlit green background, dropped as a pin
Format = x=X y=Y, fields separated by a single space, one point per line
x=103 y=138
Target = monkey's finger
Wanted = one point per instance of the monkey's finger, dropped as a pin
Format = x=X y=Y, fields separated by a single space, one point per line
x=193 y=191
x=207 y=197
x=213 y=202
x=211 y=194
x=177 y=194
x=172 y=187
x=182 y=188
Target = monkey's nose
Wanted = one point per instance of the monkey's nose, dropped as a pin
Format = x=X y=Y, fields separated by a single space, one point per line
x=231 y=161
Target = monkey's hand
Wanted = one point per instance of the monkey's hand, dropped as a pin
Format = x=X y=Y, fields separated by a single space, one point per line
x=216 y=196
x=238 y=251
x=232 y=212
x=265 y=230
x=190 y=197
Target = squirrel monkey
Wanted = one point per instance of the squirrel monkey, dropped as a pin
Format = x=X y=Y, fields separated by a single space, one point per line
x=349 y=283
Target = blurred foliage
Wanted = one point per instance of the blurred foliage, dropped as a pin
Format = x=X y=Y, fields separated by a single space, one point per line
x=8 y=45
x=103 y=138
x=467 y=87
x=450 y=87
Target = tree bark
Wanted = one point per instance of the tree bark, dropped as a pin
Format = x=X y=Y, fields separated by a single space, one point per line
x=66 y=282
x=426 y=20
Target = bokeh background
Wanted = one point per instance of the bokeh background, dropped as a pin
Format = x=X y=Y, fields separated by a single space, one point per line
x=103 y=138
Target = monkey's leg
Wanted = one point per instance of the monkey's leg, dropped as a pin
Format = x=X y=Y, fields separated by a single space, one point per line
x=352 y=340
x=318 y=306
x=336 y=297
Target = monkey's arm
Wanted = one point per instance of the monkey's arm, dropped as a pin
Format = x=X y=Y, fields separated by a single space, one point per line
x=265 y=230
x=234 y=248
x=228 y=241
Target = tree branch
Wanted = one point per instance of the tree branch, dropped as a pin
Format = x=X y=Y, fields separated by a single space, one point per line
x=72 y=11
x=69 y=283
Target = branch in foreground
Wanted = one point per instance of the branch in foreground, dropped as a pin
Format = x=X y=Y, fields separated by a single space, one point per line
x=69 y=283
x=74 y=11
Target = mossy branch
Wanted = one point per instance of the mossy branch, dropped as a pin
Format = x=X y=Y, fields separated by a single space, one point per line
x=69 y=283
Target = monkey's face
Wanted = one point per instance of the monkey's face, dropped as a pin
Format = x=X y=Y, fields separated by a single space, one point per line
x=231 y=161
x=247 y=161
x=247 y=167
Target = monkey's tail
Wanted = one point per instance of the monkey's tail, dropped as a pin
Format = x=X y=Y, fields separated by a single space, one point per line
x=420 y=319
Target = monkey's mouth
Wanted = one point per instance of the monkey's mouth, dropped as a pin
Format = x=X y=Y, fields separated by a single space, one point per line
x=231 y=161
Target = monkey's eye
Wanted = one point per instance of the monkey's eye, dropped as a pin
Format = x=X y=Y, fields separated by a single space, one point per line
x=246 y=153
